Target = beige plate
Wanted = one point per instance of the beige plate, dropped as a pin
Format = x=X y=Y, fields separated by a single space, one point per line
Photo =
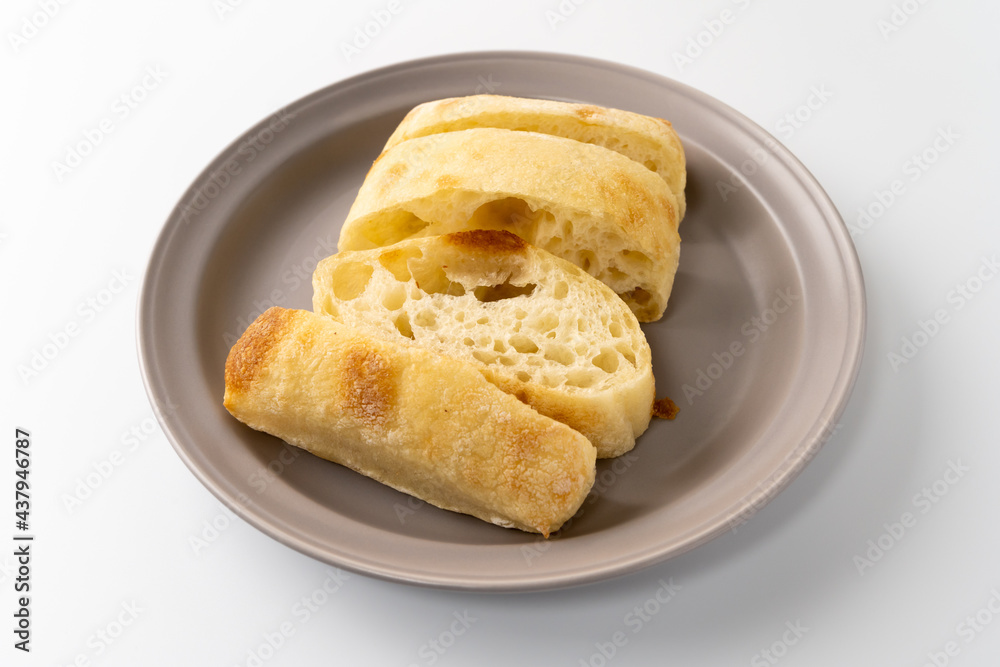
x=766 y=323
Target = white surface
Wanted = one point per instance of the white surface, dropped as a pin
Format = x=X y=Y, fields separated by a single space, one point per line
x=63 y=242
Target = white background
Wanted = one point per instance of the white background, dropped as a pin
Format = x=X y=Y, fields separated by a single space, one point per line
x=65 y=237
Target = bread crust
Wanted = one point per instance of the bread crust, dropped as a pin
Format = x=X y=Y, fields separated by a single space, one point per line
x=588 y=204
x=648 y=140
x=602 y=387
x=421 y=423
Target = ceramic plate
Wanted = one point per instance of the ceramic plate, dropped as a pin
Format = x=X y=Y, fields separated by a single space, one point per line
x=760 y=345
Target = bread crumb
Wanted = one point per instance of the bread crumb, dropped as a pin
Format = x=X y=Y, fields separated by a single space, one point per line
x=664 y=408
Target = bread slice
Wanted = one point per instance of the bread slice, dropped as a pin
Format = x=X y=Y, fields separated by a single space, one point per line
x=419 y=422
x=597 y=208
x=648 y=140
x=535 y=325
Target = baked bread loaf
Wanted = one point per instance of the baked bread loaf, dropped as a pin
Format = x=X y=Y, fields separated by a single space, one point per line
x=535 y=325
x=647 y=140
x=419 y=422
x=597 y=208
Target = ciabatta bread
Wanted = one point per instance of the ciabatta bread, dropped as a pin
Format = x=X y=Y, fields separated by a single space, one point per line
x=649 y=141
x=417 y=421
x=535 y=325
x=590 y=205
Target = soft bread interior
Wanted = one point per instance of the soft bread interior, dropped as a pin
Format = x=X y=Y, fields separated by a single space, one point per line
x=592 y=206
x=576 y=235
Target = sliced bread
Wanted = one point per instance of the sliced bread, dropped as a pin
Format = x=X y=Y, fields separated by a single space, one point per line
x=535 y=325
x=590 y=205
x=417 y=421
x=649 y=141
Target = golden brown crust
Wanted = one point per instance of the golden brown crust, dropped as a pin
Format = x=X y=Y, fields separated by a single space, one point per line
x=497 y=241
x=369 y=390
x=251 y=352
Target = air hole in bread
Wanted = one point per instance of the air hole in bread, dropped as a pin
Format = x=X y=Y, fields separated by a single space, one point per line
x=402 y=322
x=498 y=346
x=560 y=290
x=394 y=297
x=582 y=326
x=510 y=213
x=636 y=261
x=350 y=279
x=520 y=314
x=626 y=352
x=523 y=376
x=549 y=381
x=579 y=378
x=489 y=293
x=393 y=228
x=468 y=341
x=616 y=275
x=484 y=357
x=431 y=279
x=615 y=329
x=650 y=165
x=395 y=261
x=425 y=319
x=483 y=320
x=507 y=361
x=545 y=322
x=523 y=344
x=607 y=360
x=331 y=309
x=586 y=260
x=639 y=295
x=559 y=354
